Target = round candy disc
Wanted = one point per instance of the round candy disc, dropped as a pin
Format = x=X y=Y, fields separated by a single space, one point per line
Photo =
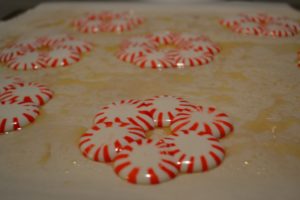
x=118 y=25
x=103 y=141
x=127 y=111
x=203 y=119
x=28 y=61
x=204 y=45
x=164 y=108
x=163 y=37
x=51 y=40
x=278 y=30
x=78 y=46
x=195 y=152
x=190 y=57
x=131 y=53
x=232 y=21
x=15 y=115
x=251 y=28
x=145 y=162
x=155 y=59
x=293 y=25
x=9 y=53
x=8 y=83
x=31 y=92
x=30 y=43
x=61 y=57
x=91 y=26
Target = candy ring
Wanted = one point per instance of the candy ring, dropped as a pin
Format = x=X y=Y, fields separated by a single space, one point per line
x=107 y=21
x=126 y=111
x=262 y=24
x=31 y=92
x=78 y=46
x=31 y=43
x=7 y=83
x=145 y=162
x=166 y=49
x=9 y=53
x=163 y=108
x=27 y=61
x=51 y=40
x=202 y=119
x=15 y=115
x=103 y=141
x=182 y=145
x=278 y=30
x=61 y=57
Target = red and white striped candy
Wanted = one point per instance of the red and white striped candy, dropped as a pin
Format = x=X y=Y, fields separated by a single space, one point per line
x=162 y=37
x=232 y=21
x=163 y=108
x=126 y=111
x=195 y=152
x=51 y=40
x=190 y=57
x=9 y=53
x=203 y=119
x=131 y=53
x=30 y=43
x=261 y=18
x=78 y=46
x=135 y=21
x=278 y=30
x=31 y=92
x=145 y=162
x=103 y=141
x=8 y=83
x=118 y=25
x=204 y=45
x=91 y=26
x=294 y=25
x=28 y=61
x=250 y=28
x=155 y=59
x=61 y=57
x=15 y=115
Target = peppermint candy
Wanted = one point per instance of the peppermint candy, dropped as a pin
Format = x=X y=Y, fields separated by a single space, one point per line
x=278 y=30
x=7 y=83
x=131 y=53
x=28 y=61
x=62 y=57
x=166 y=49
x=250 y=28
x=262 y=24
x=195 y=151
x=9 y=53
x=164 y=108
x=145 y=162
x=107 y=21
x=162 y=37
x=30 y=43
x=15 y=115
x=203 y=119
x=51 y=40
x=126 y=111
x=155 y=59
x=78 y=46
x=27 y=92
x=103 y=141
x=190 y=57
x=204 y=45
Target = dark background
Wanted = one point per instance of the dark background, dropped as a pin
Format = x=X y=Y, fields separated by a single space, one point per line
x=9 y=8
